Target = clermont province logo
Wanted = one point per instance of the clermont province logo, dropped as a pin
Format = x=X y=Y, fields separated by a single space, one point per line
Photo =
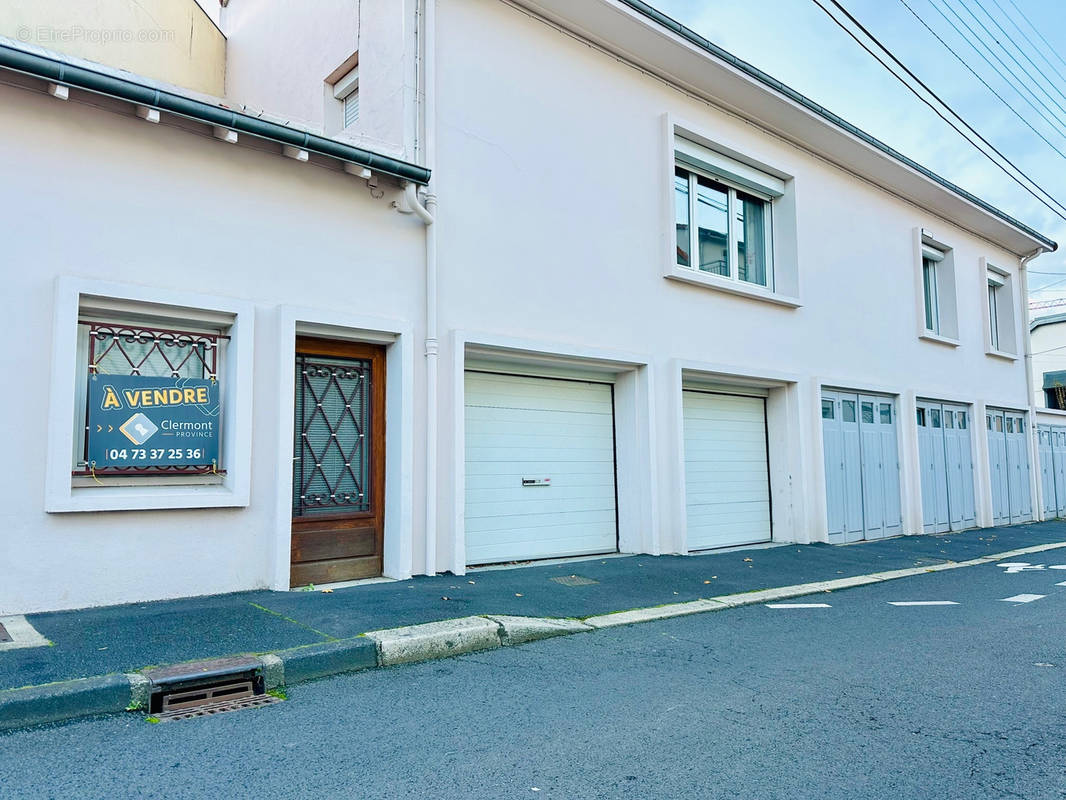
x=138 y=428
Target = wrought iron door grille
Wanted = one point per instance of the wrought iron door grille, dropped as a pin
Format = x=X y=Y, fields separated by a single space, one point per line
x=118 y=349
x=332 y=449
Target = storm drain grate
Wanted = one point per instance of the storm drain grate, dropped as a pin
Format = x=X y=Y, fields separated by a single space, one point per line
x=218 y=707
x=4 y=635
x=574 y=580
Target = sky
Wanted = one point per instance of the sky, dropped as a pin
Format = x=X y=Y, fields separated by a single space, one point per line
x=796 y=42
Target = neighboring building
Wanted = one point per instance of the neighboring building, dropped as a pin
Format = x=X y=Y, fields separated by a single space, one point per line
x=622 y=330
x=1048 y=341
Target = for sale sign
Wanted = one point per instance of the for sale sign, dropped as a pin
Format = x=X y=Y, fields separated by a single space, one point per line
x=138 y=421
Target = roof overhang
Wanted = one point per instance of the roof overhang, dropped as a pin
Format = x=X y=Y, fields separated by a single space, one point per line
x=144 y=92
x=639 y=33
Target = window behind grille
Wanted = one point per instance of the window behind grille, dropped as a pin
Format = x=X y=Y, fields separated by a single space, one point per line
x=111 y=348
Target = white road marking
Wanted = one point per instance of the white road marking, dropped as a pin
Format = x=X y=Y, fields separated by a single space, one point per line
x=1023 y=598
x=1063 y=583
x=1057 y=566
x=798 y=605
x=922 y=603
x=1021 y=566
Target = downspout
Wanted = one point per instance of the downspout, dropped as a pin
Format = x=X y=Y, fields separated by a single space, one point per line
x=426 y=211
x=1034 y=443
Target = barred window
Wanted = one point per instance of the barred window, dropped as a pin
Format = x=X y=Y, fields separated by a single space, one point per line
x=117 y=348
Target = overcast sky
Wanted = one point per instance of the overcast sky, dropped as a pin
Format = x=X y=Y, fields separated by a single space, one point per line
x=797 y=43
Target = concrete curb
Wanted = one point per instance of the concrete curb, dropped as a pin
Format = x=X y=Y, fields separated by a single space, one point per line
x=51 y=702
x=106 y=694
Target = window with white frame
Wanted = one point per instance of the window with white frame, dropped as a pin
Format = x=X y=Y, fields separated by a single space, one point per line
x=346 y=90
x=723 y=216
x=931 y=259
x=1001 y=338
x=938 y=318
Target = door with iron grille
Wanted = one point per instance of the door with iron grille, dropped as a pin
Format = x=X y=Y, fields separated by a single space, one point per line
x=338 y=472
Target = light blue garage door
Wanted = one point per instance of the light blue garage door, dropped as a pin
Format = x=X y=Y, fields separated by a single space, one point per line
x=540 y=468
x=945 y=453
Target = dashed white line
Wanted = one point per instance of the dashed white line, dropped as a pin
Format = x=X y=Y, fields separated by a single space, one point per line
x=1061 y=583
x=798 y=605
x=1023 y=598
x=922 y=603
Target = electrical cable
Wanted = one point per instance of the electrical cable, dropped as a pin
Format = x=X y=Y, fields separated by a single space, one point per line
x=983 y=81
x=1055 y=123
x=1057 y=211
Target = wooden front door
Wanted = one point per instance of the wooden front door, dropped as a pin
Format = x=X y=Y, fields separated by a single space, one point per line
x=338 y=468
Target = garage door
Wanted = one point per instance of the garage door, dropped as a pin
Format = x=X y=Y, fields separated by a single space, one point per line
x=1053 y=469
x=1008 y=463
x=727 y=484
x=861 y=466
x=540 y=476
x=944 y=450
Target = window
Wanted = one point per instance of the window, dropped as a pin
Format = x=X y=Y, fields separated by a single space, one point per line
x=931 y=259
x=1055 y=389
x=886 y=414
x=120 y=359
x=827 y=409
x=993 y=317
x=347 y=91
x=171 y=373
x=1001 y=339
x=938 y=314
x=342 y=96
x=921 y=417
x=722 y=229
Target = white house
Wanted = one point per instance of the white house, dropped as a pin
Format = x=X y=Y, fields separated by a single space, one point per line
x=476 y=281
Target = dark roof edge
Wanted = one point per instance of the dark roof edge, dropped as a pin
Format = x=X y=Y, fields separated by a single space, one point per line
x=701 y=42
x=60 y=72
x=1050 y=319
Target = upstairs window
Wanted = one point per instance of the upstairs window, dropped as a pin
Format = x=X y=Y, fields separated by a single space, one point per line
x=938 y=314
x=1001 y=338
x=341 y=99
x=708 y=242
x=347 y=91
x=931 y=259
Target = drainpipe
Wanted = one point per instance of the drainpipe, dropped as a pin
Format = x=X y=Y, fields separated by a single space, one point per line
x=426 y=210
x=1034 y=443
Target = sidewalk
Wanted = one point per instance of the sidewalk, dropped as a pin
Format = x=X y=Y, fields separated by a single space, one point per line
x=128 y=638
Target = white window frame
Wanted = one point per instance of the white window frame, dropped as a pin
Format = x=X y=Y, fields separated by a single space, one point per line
x=1001 y=338
x=232 y=489
x=733 y=247
x=939 y=259
x=690 y=147
x=345 y=90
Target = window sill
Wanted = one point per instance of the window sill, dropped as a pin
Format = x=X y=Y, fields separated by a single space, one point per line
x=1001 y=354
x=936 y=338
x=728 y=286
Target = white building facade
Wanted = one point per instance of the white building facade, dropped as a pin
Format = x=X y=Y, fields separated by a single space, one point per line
x=540 y=279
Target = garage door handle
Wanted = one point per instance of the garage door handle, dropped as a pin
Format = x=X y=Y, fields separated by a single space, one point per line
x=536 y=481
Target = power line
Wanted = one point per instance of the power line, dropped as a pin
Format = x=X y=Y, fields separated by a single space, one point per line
x=1036 y=30
x=983 y=81
x=1055 y=123
x=1036 y=48
x=1011 y=55
x=1057 y=211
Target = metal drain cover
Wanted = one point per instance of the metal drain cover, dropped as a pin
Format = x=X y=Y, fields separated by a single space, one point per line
x=574 y=580
x=221 y=707
x=4 y=635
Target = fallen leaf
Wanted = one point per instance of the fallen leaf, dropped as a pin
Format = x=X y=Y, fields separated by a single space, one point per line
x=445 y=598
x=706 y=581
x=517 y=594
x=714 y=577
x=327 y=591
x=470 y=582
x=747 y=559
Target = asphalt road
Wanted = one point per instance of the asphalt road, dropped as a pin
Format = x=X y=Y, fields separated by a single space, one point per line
x=858 y=700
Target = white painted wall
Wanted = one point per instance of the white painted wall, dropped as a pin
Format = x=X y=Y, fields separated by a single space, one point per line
x=1049 y=355
x=551 y=175
x=93 y=194
x=279 y=54
x=550 y=181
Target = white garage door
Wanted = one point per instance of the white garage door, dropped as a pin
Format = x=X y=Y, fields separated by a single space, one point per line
x=727 y=485
x=539 y=468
